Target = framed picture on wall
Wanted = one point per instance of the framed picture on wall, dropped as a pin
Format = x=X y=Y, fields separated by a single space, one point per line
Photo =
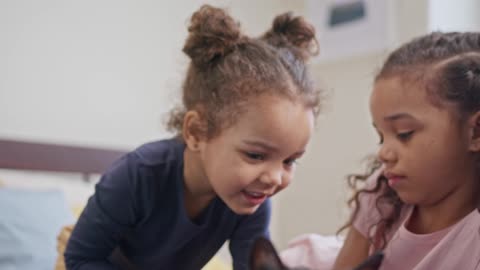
x=348 y=28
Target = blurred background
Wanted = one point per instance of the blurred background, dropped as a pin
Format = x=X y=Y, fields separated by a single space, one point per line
x=105 y=73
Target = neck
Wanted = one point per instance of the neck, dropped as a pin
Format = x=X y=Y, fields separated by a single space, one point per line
x=447 y=211
x=197 y=190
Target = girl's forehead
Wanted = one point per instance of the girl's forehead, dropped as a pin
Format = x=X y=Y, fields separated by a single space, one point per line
x=397 y=92
x=392 y=97
x=279 y=121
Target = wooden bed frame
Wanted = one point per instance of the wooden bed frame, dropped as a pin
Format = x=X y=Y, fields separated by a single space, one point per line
x=21 y=155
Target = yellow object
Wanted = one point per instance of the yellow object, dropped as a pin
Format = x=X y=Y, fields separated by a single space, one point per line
x=62 y=239
x=216 y=264
x=77 y=210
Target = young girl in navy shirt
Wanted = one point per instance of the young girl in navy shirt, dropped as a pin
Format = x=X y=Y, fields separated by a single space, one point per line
x=248 y=113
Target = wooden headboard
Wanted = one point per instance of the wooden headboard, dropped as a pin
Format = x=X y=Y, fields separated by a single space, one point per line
x=21 y=155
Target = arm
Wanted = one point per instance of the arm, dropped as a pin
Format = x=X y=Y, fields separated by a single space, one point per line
x=249 y=228
x=354 y=250
x=356 y=245
x=109 y=214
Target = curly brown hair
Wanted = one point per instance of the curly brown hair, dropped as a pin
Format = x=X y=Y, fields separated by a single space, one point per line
x=229 y=69
x=447 y=65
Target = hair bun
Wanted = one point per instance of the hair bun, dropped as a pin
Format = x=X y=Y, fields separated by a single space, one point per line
x=212 y=35
x=295 y=32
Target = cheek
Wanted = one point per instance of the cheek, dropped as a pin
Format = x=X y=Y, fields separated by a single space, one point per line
x=426 y=155
x=287 y=179
x=220 y=161
x=283 y=186
x=239 y=176
x=435 y=158
x=446 y=148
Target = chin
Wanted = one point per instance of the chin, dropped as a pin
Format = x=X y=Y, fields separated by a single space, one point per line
x=244 y=210
x=408 y=199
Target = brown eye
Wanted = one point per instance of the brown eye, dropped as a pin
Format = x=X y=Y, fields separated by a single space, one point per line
x=255 y=156
x=290 y=162
x=405 y=136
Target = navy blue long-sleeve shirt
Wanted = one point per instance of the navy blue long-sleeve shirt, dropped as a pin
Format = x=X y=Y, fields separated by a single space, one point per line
x=137 y=219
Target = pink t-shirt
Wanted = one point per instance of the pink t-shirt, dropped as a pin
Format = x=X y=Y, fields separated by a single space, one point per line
x=456 y=247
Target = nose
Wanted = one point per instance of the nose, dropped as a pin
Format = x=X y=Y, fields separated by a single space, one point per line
x=273 y=176
x=387 y=154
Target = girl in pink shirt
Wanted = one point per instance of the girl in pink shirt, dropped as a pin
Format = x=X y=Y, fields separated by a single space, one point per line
x=420 y=204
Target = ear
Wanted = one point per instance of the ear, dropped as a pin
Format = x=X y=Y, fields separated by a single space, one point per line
x=264 y=256
x=193 y=130
x=474 y=127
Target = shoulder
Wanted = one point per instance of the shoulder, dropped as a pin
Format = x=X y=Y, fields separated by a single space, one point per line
x=150 y=159
x=146 y=169
x=159 y=152
x=371 y=209
x=143 y=177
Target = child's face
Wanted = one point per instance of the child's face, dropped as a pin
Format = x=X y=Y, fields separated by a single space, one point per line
x=255 y=158
x=424 y=147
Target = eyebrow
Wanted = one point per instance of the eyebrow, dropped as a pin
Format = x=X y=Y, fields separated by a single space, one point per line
x=261 y=144
x=268 y=146
x=396 y=116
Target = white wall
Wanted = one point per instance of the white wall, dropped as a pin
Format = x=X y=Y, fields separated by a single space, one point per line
x=459 y=15
x=315 y=201
x=85 y=71
x=99 y=72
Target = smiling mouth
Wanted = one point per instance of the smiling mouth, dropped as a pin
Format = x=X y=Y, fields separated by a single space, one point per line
x=254 y=198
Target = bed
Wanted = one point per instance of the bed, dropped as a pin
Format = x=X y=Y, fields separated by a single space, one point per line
x=21 y=155
x=43 y=188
